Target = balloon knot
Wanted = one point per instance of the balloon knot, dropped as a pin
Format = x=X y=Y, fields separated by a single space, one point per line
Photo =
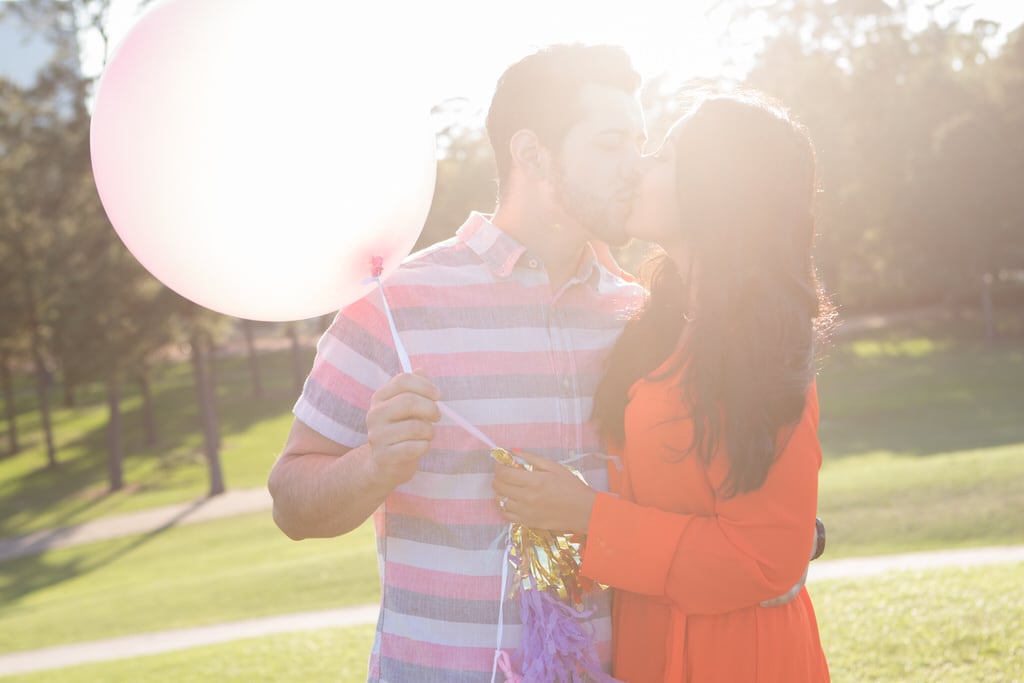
x=376 y=266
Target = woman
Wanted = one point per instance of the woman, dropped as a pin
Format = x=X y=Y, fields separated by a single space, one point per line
x=709 y=402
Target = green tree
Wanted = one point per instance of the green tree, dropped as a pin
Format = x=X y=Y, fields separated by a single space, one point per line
x=85 y=301
x=12 y=345
x=203 y=330
x=31 y=203
x=466 y=177
x=914 y=179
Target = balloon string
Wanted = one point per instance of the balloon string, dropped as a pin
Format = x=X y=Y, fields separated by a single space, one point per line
x=501 y=659
x=462 y=422
x=403 y=356
x=500 y=656
x=403 y=359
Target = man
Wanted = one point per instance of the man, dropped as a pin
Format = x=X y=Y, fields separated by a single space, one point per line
x=510 y=322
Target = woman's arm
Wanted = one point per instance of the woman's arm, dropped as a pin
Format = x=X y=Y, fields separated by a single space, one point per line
x=755 y=547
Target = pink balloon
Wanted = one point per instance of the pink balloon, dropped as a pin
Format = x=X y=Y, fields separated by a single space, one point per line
x=255 y=155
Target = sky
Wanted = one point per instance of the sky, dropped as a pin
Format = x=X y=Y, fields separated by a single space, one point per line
x=468 y=43
x=477 y=40
x=462 y=46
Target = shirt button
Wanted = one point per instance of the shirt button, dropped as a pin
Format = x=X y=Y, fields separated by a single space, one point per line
x=533 y=263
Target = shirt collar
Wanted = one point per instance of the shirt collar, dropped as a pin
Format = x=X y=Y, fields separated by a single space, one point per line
x=500 y=252
x=496 y=248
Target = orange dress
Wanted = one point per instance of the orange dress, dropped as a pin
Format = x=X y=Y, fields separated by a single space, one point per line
x=690 y=566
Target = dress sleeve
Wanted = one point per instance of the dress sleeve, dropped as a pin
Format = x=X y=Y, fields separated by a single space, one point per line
x=754 y=547
x=354 y=358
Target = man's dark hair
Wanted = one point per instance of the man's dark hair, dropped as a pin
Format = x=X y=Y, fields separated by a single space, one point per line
x=541 y=92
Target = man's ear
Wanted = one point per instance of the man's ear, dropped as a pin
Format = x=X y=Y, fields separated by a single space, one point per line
x=529 y=154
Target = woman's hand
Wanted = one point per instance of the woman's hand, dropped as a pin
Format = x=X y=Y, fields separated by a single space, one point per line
x=550 y=497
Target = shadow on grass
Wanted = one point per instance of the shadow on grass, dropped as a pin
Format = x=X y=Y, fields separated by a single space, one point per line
x=23 y=575
x=921 y=390
x=917 y=388
x=177 y=461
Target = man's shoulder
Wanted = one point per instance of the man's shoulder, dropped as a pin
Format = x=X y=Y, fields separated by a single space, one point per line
x=444 y=254
x=432 y=253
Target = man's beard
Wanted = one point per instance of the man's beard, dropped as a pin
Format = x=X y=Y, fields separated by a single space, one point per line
x=588 y=211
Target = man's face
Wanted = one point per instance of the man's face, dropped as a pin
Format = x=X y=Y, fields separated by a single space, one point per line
x=595 y=173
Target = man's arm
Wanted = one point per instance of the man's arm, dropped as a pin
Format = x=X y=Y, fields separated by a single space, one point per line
x=816 y=551
x=323 y=489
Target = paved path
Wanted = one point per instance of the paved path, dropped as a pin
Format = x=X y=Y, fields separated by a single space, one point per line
x=232 y=502
x=179 y=639
x=869 y=566
x=253 y=500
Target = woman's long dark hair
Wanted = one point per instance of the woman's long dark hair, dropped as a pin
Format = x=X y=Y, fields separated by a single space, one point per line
x=746 y=186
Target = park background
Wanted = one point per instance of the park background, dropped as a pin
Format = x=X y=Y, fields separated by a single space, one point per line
x=119 y=396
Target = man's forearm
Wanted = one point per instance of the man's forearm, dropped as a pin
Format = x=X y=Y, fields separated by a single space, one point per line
x=321 y=496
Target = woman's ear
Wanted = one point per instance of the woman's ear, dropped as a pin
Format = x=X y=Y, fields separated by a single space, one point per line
x=529 y=155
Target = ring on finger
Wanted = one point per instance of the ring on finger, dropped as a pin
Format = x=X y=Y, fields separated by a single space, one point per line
x=502 y=502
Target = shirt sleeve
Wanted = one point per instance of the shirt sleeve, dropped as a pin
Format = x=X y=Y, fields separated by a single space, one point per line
x=754 y=547
x=354 y=358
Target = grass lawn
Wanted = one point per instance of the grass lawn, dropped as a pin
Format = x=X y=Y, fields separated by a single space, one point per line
x=951 y=624
x=186 y=576
x=964 y=625
x=882 y=503
x=922 y=433
x=903 y=393
x=911 y=392
x=244 y=567
x=337 y=655
x=33 y=497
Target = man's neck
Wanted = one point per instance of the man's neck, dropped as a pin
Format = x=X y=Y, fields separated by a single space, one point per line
x=560 y=247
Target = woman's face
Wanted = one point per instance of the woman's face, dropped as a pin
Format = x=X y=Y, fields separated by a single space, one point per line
x=655 y=215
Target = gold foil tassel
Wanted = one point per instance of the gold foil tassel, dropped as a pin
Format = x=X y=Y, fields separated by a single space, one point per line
x=544 y=559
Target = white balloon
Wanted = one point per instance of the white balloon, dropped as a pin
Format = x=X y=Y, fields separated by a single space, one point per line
x=254 y=155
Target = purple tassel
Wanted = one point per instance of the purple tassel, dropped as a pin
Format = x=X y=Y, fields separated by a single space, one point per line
x=557 y=644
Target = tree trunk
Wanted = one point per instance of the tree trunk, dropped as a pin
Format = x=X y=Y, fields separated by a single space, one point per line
x=43 y=398
x=207 y=415
x=9 y=408
x=43 y=378
x=115 y=433
x=210 y=355
x=148 y=414
x=298 y=363
x=986 y=308
x=69 y=392
x=254 y=366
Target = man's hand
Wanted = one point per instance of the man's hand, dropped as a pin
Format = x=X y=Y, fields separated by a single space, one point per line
x=816 y=550
x=400 y=426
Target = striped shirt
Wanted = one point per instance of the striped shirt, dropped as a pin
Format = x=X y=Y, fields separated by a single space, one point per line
x=516 y=359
